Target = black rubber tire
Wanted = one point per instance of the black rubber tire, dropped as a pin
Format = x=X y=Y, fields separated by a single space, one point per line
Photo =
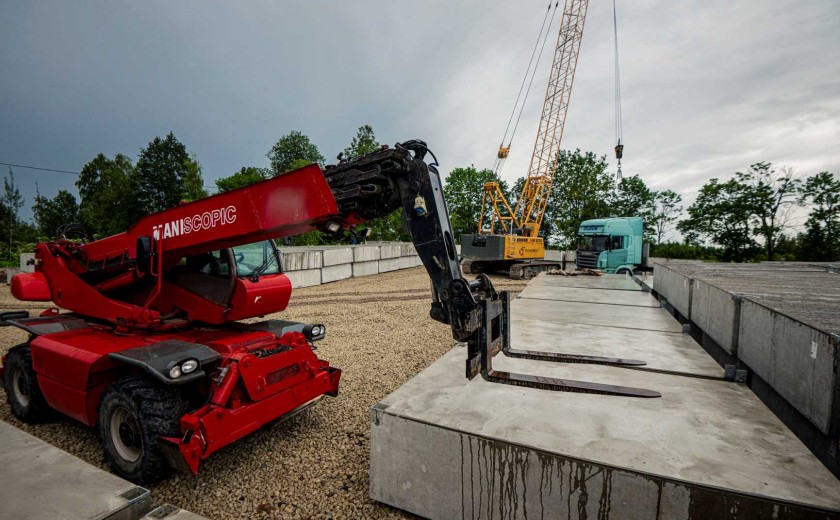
x=156 y=411
x=22 y=390
x=624 y=270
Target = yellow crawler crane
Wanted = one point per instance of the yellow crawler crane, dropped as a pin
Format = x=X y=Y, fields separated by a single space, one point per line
x=508 y=240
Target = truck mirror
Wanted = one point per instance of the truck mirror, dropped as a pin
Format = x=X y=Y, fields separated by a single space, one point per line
x=145 y=251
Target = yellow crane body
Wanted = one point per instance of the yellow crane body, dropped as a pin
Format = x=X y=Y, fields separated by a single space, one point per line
x=509 y=235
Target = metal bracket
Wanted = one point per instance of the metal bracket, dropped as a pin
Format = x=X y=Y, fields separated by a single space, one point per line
x=494 y=337
x=733 y=373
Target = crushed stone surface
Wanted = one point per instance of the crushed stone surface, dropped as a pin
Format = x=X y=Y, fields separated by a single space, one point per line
x=314 y=465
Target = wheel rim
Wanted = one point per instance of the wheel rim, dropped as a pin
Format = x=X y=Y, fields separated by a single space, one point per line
x=20 y=387
x=125 y=434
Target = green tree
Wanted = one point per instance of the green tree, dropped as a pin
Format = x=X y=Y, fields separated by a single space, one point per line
x=632 y=198
x=581 y=191
x=292 y=151
x=822 y=238
x=362 y=144
x=463 y=189
x=667 y=211
x=193 y=179
x=160 y=175
x=244 y=177
x=107 y=198
x=50 y=214
x=13 y=201
x=770 y=197
x=722 y=214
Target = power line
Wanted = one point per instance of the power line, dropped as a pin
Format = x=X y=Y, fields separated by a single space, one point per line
x=38 y=168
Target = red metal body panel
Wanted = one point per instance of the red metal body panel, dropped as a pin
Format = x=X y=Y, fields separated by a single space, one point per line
x=31 y=287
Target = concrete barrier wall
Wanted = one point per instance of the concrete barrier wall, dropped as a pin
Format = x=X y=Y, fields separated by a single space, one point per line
x=797 y=360
x=315 y=265
x=715 y=311
x=674 y=287
x=774 y=319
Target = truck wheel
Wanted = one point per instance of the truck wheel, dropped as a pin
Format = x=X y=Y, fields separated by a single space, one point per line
x=624 y=270
x=22 y=390
x=133 y=414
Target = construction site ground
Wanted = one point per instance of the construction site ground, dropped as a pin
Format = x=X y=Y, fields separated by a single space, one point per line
x=316 y=464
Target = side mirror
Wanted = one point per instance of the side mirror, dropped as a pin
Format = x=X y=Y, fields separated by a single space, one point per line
x=145 y=252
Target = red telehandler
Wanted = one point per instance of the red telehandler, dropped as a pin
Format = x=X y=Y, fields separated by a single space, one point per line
x=152 y=351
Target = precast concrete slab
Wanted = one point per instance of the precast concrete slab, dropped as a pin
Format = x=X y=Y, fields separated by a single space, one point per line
x=389 y=264
x=332 y=273
x=365 y=253
x=337 y=256
x=716 y=312
x=39 y=481
x=446 y=447
x=795 y=359
x=607 y=281
x=305 y=278
x=675 y=286
x=301 y=260
x=661 y=351
x=597 y=314
x=390 y=250
x=575 y=294
x=366 y=268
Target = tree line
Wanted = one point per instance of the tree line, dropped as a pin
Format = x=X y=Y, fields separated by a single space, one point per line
x=745 y=218
x=748 y=217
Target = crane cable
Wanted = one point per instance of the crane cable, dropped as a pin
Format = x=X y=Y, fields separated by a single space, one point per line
x=499 y=159
x=619 y=147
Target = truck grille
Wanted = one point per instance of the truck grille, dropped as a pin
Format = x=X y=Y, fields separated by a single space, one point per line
x=587 y=260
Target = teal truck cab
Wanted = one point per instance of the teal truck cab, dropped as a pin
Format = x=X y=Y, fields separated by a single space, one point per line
x=612 y=245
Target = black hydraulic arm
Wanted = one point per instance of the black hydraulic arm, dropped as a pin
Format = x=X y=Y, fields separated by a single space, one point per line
x=377 y=184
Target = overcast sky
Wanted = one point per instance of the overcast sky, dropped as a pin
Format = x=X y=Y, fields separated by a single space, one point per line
x=709 y=86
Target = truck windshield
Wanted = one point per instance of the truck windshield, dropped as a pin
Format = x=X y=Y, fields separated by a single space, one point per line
x=593 y=242
x=256 y=259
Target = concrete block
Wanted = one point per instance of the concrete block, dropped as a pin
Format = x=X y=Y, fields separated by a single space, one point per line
x=11 y=272
x=40 y=481
x=365 y=268
x=416 y=261
x=407 y=249
x=366 y=253
x=675 y=287
x=796 y=360
x=405 y=262
x=390 y=250
x=337 y=256
x=27 y=262
x=302 y=260
x=716 y=312
x=304 y=278
x=389 y=264
x=332 y=273
x=554 y=255
x=446 y=447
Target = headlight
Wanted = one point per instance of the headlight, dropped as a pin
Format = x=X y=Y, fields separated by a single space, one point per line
x=316 y=331
x=189 y=366
x=175 y=372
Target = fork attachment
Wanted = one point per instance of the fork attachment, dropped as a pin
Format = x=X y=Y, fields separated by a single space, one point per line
x=493 y=336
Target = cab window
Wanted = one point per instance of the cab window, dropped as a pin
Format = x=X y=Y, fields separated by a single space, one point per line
x=256 y=259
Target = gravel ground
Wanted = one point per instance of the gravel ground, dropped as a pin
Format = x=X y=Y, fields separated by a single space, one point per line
x=316 y=464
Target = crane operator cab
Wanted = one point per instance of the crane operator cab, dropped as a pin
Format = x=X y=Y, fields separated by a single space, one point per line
x=229 y=284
